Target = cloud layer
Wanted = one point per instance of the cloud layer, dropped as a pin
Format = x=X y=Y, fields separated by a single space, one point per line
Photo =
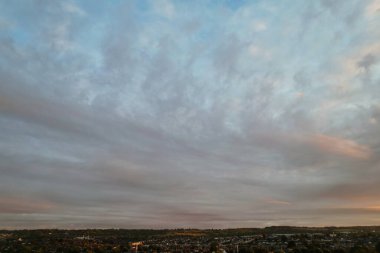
x=203 y=114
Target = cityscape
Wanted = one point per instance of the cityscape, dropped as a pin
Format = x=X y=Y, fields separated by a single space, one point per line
x=270 y=239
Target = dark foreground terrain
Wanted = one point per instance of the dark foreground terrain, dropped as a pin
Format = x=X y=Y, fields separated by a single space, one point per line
x=270 y=239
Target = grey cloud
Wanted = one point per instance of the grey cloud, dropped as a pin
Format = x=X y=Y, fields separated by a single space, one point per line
x=367 y=61
x=155 y=126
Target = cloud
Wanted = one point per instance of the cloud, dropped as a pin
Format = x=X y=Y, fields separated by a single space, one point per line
x=373 y=8
x=259 y=26
x=164 y=8
x=277 y=202
x=367 y=61
x=359 y=192
x=73 y=8
x=157 y=114
x=25 y=205
x=341 y=146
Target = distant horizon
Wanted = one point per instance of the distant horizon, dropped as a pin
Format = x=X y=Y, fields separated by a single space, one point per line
x=183 y=228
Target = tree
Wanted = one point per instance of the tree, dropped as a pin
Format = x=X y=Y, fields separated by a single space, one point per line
x=260 y=250
x=291 y=244
x=213 y=246
x=338 y=251
x=360 y=249
x=377 y=247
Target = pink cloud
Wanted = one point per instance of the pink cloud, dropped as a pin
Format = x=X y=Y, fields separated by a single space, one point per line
x=277 y=202
x=340 y=146
x=24 y=205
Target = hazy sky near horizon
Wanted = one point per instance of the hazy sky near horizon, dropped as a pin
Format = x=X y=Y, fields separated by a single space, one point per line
x=206 y=114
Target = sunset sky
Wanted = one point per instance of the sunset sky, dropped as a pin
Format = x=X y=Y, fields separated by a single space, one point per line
x=202 y=114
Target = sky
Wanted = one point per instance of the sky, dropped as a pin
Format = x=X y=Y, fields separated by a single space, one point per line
x=178 y=114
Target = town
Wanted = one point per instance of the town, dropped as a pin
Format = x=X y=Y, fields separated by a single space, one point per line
x=255 y=240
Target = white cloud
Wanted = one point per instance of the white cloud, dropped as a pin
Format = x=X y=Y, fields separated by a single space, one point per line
x=73 y=8
x=373 y=8
x=259 y=26
x=164 y=8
